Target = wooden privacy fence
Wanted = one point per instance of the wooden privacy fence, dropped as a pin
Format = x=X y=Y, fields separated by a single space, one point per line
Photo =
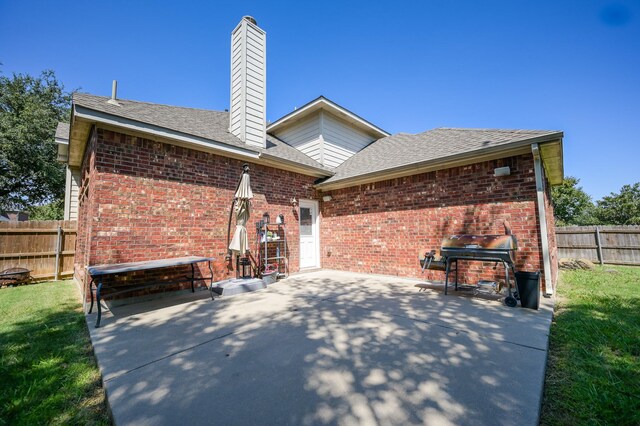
x=618 y=245
x=45 y=247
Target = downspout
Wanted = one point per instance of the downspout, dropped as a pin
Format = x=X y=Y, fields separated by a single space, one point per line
x=544 y=235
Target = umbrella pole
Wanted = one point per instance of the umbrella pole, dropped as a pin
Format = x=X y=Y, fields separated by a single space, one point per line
x=245 y=169
x=229 y=254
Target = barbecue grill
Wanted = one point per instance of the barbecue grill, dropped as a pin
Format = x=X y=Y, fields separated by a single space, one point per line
x=485 y=248
x=479 y=247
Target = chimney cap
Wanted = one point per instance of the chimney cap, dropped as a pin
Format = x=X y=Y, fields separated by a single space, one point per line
x=250 y=19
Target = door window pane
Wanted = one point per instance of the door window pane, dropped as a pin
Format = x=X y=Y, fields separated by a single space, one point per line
x=306 y=222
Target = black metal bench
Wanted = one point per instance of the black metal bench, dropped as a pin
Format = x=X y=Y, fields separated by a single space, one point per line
x=99 y=271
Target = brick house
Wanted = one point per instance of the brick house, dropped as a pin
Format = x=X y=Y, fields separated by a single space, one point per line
x=148 y=181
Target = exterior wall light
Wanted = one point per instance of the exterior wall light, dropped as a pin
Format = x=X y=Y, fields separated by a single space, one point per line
x=502 y=171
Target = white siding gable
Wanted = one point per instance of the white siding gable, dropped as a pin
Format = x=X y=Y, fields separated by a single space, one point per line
x=341 y=140
x=326 y=138
x=305 y=136
x=71 y=194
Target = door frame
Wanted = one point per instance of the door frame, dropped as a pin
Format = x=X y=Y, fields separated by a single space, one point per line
x=315 y=206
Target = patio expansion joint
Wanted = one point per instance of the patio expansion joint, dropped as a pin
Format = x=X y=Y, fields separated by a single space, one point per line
x=169 y=356
x=449 y=327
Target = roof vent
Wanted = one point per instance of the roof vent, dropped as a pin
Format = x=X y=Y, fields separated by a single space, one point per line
x=114 y=93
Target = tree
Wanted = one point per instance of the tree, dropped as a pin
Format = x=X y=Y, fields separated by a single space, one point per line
x=622 y=208
x=571 y=205
x=52 y=211
x=30 y=109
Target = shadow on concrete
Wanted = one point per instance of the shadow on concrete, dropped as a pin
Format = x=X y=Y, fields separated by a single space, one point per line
x=327 y=348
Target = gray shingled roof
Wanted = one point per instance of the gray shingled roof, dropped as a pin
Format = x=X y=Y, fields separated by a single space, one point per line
x=207 y=124
x=404 y=149
x=62 y=131
x=386 y=154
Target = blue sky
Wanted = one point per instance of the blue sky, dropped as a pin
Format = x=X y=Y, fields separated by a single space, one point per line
x=406 y=66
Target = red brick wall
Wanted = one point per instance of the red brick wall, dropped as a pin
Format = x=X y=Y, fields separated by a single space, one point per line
x=86 y=209
x=383 y=226
x=150 y=200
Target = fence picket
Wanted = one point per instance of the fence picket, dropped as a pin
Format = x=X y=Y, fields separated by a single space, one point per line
x=29 y=245
x=604 y=244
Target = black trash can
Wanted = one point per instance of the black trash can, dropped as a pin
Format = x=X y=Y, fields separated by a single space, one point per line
x=529 y=289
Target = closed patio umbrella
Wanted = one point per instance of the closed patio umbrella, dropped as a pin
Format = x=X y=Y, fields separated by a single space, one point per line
x=240 y=242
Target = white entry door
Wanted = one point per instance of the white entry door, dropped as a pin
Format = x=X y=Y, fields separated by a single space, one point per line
x=309 y=240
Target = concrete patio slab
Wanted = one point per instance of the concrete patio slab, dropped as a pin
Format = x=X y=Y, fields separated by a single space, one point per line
x=325 y=348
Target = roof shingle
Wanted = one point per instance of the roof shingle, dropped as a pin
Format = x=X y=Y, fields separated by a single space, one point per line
x=404 y=149
x=207 y=124
x=62 y=131
x=386 y=154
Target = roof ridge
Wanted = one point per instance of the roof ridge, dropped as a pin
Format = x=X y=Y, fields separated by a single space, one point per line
x=150 y=103
x=480 y=129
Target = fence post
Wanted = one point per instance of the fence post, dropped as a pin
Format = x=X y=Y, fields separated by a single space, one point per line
x=58 y=250
x=599 y=245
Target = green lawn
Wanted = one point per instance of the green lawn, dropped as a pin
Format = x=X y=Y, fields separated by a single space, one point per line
x=48 y=374
x=593 y=373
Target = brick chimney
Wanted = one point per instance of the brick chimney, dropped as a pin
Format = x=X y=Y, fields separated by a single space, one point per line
x=248 y=83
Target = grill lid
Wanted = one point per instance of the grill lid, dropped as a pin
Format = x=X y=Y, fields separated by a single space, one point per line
x=481 y=242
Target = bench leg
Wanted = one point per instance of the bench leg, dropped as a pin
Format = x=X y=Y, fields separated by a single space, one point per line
x=446 y=276
x=193 y=278
x=210 y=272
x=91 y=293
x=98 y=302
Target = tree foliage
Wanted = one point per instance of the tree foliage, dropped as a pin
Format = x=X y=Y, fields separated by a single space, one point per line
x=571 y=205
x=622 y=208
x=52 y=211
x=30 y=109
